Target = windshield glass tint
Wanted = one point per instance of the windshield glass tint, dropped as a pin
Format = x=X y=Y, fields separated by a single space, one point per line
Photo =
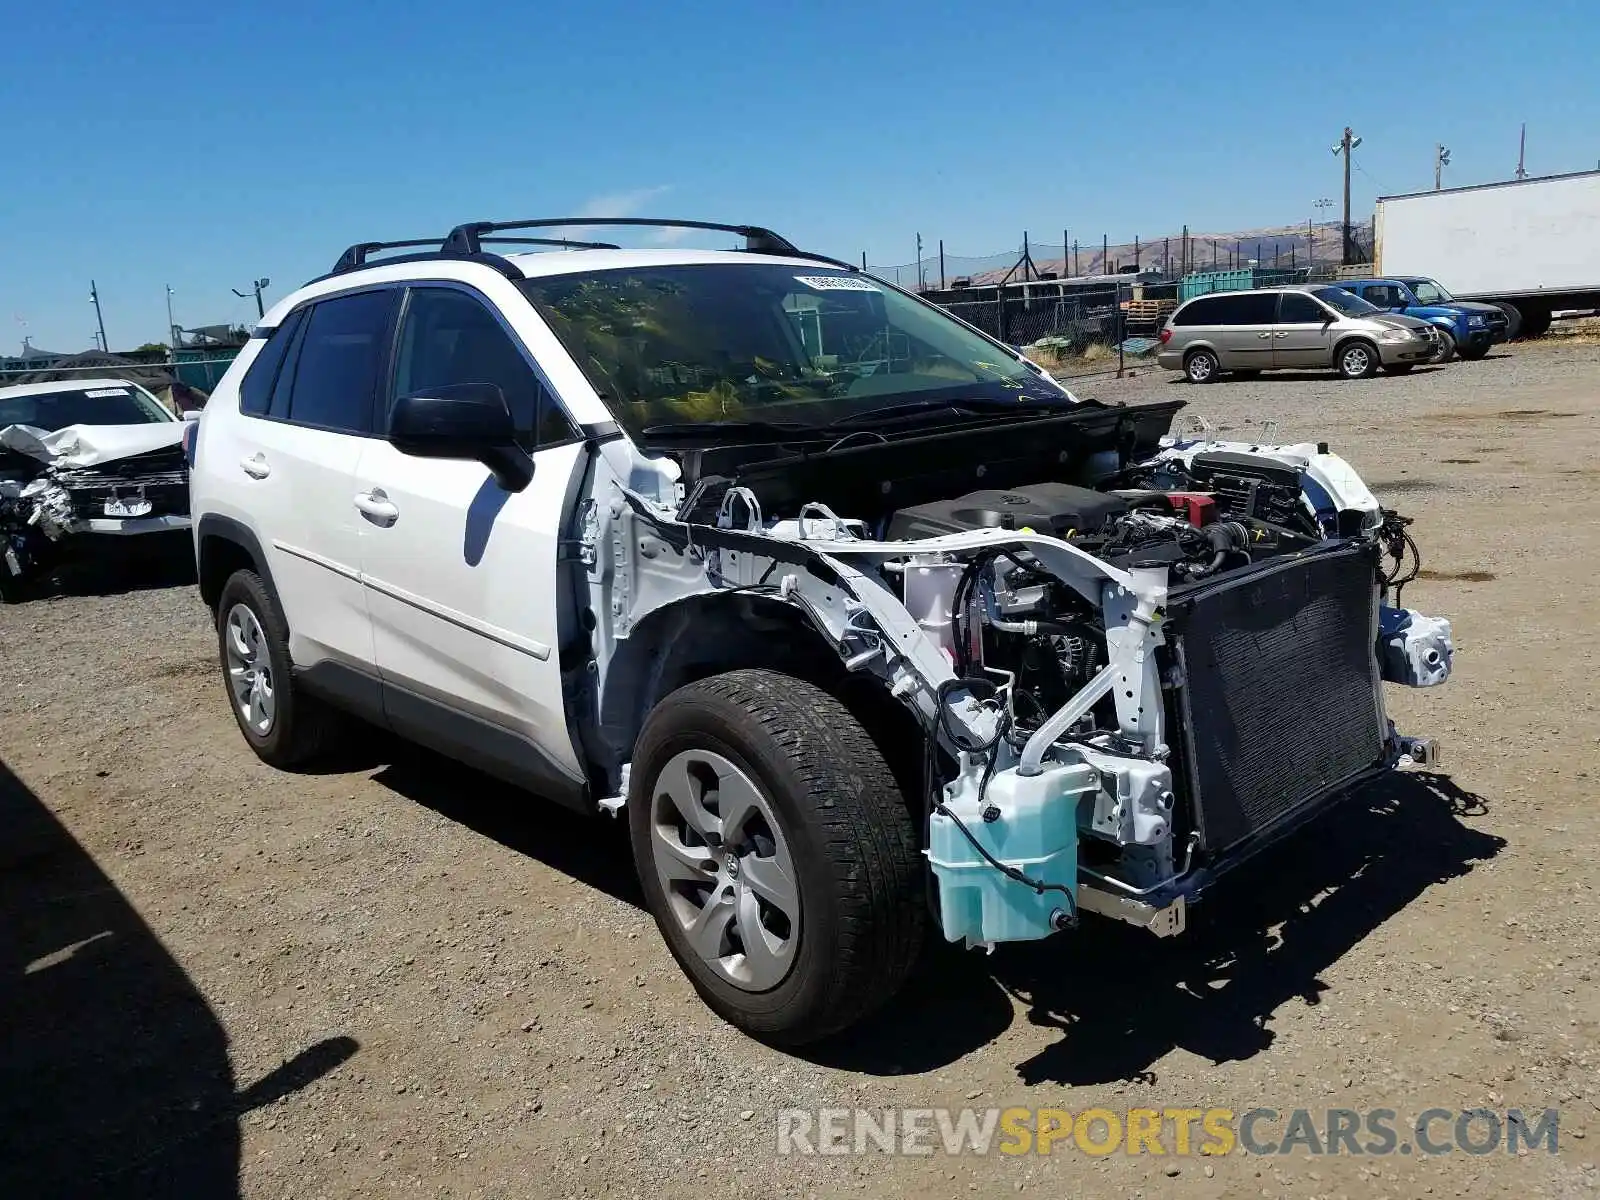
x=759 y=342
x=1429 y=292
x=50 y=411
x=1342 y=301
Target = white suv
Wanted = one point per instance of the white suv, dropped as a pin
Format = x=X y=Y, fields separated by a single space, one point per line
x=856 y=613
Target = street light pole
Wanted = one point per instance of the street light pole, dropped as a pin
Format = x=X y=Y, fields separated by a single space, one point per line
x=1441 y=160
x=257 y=284
x=99 y=318
x=1347 y=143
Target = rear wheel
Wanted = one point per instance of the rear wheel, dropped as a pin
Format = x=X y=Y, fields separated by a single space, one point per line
x=285 y=727
x=1201 y=366
x=1535 y=323
x=776 y=853
x=1357 y=360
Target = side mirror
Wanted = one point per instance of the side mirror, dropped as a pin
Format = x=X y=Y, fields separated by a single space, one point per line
x=1399 y=308
x=189 y=414
x=465 y=421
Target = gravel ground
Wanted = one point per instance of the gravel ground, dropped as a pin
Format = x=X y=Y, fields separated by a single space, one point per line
x=397 y=977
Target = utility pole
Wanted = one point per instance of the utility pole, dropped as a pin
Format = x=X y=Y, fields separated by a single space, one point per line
x=921 y=280
x=257 y=284
x=1347 y=143
x=941 y=264
x=99 y=318
x=172 y=326
x=1522 y=152
x=1441 y=160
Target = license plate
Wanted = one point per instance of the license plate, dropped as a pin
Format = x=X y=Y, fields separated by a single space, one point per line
x=130 y=506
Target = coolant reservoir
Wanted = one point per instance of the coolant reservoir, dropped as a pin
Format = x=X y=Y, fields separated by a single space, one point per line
x=1036 y=832
x=930 y=594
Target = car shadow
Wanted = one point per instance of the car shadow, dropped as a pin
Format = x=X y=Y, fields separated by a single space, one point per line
x=1120 y=998
x=591 y=849
x=113 y=566
x=1265 y=935
x=114 y=1071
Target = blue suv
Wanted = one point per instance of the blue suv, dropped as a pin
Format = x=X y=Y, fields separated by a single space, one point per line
x=1465 y=327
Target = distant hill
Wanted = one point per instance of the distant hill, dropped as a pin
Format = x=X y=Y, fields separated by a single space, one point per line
x=1271 y=245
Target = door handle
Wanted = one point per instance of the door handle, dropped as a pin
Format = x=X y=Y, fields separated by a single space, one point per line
x=1265 y=335
x=1284 y=333
x=256 y=466
x=377 y=507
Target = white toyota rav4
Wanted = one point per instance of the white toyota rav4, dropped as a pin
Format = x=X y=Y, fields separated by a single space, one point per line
x=862 y=620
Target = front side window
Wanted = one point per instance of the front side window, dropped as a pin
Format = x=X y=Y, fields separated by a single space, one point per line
x=1344 y=302
x=111 y=404
x=1297 y=308
x=1429 y=292
x=769 y=342
x=338 y=360
x=448 y=337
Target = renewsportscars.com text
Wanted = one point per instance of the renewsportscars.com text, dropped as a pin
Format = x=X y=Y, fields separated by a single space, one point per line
x=1164 y=1131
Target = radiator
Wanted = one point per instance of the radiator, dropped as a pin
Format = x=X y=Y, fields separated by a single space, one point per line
x=1281 y=702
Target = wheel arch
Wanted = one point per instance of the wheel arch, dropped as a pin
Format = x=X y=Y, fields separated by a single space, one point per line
x=710 y=634
x=223 y=546
x=1367 y=340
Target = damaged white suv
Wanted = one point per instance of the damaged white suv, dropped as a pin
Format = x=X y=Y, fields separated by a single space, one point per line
x=860 y=619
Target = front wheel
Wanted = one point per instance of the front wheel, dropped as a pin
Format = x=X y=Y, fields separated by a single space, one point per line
x=1473 y=353
x=1447 y=347
x=1357 y=360
x=776 y=853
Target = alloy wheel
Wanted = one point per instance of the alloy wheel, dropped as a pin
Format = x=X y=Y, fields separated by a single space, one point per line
x=250 y=670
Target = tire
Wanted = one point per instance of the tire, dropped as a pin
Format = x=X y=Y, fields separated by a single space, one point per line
x=825 y=816
x=284 y=726
x=1201 y=366
x=1447 y=347
x=1399 y=369
x=1356 y=360
x=1535 y=323
x=1473 y=353
x=1513 y=319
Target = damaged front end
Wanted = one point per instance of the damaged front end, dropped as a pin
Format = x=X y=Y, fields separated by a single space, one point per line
x=1136 y=659
x=85 y=480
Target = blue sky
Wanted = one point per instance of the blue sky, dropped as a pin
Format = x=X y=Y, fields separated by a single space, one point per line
x=202 y=145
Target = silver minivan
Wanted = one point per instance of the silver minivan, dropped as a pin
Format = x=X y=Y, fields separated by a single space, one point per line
x=1305 y=326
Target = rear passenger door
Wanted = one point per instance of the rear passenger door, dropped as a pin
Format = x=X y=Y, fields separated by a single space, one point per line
x=296 y=461
x=1245 y=334
x=1303 y=336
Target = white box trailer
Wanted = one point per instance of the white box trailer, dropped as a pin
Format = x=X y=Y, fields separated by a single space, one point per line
x=1532 y=245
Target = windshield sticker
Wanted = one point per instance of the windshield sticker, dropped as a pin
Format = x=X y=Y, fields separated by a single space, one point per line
x=836 y=283
x=102 y=393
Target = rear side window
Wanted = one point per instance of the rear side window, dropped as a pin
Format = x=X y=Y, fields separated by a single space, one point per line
x=1254 y=308
x=1197 y=312
x=339 y=360
x=1300 y=309
x=255 y=389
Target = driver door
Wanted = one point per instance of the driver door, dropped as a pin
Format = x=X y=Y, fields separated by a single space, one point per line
x=461 y=576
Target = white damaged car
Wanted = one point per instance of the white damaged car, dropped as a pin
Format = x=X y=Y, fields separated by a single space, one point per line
x=80 y=460
x=863 y=623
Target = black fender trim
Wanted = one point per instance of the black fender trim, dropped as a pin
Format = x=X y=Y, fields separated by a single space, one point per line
x=214 y=525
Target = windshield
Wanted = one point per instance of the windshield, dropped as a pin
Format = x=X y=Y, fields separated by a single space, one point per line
x=781 y=344
x=122 y=404
x=1428 y=292
x=1345 y=302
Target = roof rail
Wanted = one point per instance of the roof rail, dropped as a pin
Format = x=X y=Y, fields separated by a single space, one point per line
x=467 y=242
x=466 y=239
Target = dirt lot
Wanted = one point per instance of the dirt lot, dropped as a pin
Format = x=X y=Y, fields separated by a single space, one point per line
x=397 y=978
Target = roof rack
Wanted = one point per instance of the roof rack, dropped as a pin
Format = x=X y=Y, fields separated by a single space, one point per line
x=467 y=242
x=466 y=239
